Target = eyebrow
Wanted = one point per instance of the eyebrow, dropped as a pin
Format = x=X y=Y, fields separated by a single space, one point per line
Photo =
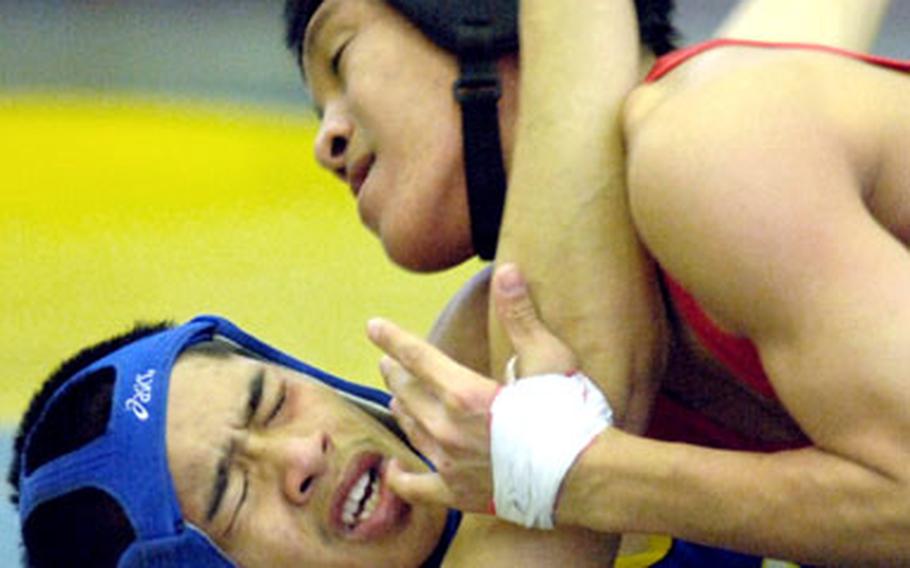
x=254 y=399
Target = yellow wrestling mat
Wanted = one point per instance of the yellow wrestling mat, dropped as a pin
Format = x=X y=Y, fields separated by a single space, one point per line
x=114 y=210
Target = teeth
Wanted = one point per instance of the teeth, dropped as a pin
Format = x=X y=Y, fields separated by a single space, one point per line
x=355 y=509
x=359 y=488
x=353 y=501
x=370 y=505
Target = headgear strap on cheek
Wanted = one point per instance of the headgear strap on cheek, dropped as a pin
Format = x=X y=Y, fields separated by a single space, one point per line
x=539 y=426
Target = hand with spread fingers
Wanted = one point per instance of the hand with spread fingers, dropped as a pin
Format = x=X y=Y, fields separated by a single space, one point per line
x=445 y=408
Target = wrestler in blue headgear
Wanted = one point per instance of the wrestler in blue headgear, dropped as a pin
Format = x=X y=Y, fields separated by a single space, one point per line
x=112 y=496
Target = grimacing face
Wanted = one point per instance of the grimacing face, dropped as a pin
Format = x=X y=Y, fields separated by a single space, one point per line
x=279 y=470
x=391 y=129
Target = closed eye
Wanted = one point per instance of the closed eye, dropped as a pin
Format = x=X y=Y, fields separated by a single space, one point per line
x=279 y=404
x=243 y=493
x=336 y=59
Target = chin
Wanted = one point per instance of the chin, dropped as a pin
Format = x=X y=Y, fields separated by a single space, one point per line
x=424 y=255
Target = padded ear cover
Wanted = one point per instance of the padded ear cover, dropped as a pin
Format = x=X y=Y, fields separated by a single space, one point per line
x=440 y=19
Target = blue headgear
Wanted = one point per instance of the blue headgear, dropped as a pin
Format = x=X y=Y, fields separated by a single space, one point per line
x=129 y=461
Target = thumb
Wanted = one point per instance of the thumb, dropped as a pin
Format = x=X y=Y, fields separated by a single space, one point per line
x=538 y=350
x=423 y=488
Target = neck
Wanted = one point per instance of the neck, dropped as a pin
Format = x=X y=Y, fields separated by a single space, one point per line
x=453 y=520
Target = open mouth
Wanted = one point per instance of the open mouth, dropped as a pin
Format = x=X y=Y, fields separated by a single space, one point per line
x=364 y=507
x=359 y=173
x=361 y=500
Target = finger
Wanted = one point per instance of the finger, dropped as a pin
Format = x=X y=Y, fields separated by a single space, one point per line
x=417 y=435
x=418 y=487
x=538 y=350
x=413 y=394
x=422 y=360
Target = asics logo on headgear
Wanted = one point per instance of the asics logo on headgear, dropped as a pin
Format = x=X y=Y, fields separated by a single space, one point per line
x=142 y=394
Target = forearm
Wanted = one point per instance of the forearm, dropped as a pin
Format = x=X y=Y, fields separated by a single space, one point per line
x=566 y=220
x=804 y=505
x=460 y=332
x=849 y=24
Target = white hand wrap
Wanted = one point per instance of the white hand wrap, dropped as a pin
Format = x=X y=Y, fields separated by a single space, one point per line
x=539 y=426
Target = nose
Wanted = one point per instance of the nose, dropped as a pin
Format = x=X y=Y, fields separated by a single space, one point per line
x=332 y=141
x=299 y=462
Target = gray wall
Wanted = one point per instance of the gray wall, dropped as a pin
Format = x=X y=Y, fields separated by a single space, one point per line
x=224 y=49
x=697 y=18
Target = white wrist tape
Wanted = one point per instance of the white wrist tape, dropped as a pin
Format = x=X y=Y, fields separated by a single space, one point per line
x=538 y=427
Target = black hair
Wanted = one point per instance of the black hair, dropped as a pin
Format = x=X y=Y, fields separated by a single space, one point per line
x=87 y=526
x=297 y=15
x=655 y=23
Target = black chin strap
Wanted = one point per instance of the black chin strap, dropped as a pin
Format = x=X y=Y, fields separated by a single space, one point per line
x=478 y=91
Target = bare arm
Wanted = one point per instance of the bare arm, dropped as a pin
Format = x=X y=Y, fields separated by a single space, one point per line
x=849 y=24
x=551 y=263
x=844 y=501
x=567 y=220
x=460 y=332
x=602 y=27
x=776 y=243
